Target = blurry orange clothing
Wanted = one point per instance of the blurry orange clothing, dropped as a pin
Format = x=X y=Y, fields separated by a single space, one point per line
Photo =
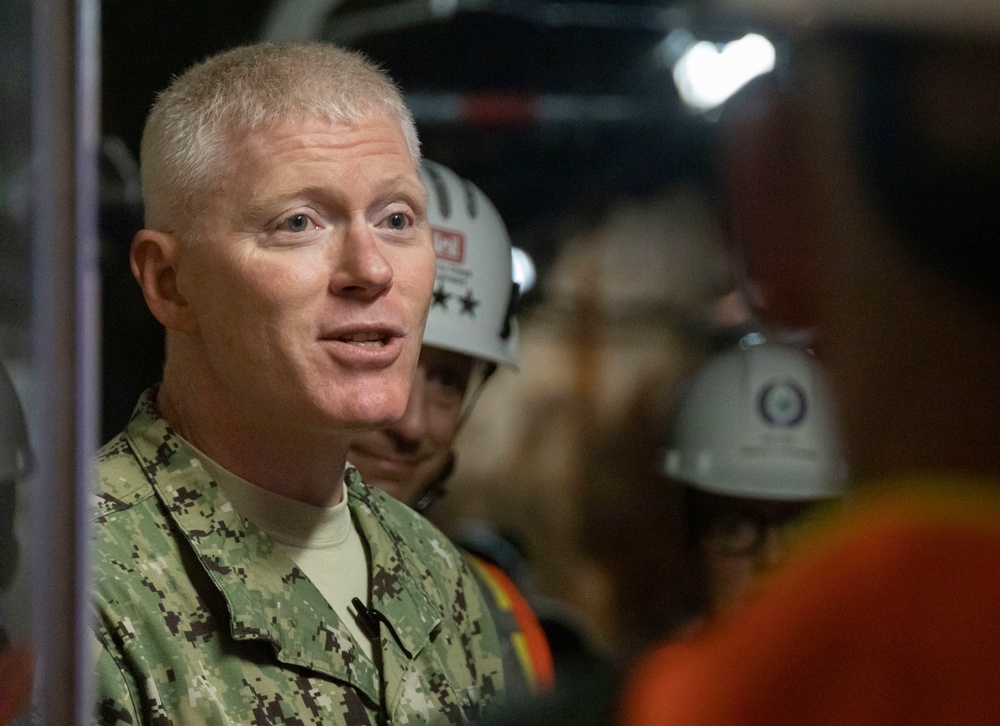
x=17 y=666
x=892 y=616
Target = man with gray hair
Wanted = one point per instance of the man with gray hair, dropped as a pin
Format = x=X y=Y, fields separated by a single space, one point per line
x=244 y=572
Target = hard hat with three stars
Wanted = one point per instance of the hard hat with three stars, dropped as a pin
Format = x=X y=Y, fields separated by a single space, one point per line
x=474 y=294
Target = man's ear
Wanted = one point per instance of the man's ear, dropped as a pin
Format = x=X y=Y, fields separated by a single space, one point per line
x=154 y=258
x=772 y=217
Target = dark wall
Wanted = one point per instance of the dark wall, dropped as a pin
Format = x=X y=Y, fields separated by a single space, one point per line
x=143 y=45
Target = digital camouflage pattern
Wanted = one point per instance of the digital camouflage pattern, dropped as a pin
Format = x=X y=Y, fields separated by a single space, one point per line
x=201 y=619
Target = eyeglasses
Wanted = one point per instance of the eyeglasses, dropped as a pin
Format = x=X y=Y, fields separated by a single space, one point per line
x=740 y=532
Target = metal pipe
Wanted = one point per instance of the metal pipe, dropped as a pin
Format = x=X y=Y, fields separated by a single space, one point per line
x=65 y=146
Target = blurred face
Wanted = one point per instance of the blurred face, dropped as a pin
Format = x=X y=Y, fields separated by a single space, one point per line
x=309 y=283
x=404 y=458
x=740 y=539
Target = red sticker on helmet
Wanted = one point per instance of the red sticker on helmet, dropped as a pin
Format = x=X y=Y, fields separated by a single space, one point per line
x=448 y=244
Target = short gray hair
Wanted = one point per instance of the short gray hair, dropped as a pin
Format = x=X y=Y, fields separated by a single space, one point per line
x=187 y=143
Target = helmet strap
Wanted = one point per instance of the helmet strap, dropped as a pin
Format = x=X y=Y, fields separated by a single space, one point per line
x=436 y=488
x=508 y=318
x=481 y=373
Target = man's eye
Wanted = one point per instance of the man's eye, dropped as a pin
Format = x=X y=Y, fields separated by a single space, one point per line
x=296 y=223
x=448 y=376
x=396 y=221
x=444 y=395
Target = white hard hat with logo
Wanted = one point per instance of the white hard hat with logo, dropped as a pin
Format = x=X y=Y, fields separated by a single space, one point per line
x=758 y=422
x=474 y=295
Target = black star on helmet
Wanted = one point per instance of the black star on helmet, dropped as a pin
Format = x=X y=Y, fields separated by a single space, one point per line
x=469 y=304
x=440 y=297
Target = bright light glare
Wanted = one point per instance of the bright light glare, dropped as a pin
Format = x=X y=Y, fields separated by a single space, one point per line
x=522 y=269
x=707 y=74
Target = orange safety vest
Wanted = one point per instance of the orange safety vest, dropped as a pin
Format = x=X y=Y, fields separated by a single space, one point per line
x=527 y=655
x=891 y=615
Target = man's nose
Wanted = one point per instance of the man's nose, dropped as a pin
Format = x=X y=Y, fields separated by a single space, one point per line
x=359 y=267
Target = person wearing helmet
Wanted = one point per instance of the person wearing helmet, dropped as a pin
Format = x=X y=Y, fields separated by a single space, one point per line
x=16 y=660
x=874 y=158
x=755 y=449
x=470 y=331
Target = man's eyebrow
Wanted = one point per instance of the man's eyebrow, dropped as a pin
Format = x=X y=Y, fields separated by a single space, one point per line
x=263 y=209
x=402 y=185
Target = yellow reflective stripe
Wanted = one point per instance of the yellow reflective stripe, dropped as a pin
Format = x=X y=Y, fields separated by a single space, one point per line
x=499 y=594
x=527 y=665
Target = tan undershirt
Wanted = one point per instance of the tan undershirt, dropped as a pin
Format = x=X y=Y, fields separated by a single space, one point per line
x=323 y=541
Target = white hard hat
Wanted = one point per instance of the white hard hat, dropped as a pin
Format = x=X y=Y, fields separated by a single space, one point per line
x=757 y=421
x=934 y=16
x=474 y=294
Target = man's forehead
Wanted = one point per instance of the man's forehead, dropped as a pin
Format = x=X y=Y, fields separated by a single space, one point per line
x=431 y=353
x=297 y=147
x=758 y=505
x=303 y=131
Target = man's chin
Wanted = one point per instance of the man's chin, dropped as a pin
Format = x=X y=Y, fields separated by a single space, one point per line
x=370 y=418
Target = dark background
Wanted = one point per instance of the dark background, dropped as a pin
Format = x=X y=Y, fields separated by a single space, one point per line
x=544 y=175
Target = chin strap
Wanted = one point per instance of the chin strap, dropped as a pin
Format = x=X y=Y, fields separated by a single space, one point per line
x=436 y=488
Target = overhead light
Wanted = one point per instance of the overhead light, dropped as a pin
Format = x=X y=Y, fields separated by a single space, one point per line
x=708 y=73
x=522 y=269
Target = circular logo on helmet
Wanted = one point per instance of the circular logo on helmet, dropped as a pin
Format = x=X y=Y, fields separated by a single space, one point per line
x=782 y=403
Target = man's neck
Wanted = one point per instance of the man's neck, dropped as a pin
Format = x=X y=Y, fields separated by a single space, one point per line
x=303 y=465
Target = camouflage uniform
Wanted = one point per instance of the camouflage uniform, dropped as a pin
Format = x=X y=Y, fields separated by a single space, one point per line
x=203 y=620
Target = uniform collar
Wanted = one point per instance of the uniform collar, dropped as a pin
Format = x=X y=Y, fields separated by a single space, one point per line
x=398 y=591
x=266 y=597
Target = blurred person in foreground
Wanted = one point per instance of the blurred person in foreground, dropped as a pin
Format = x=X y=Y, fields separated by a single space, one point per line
x=16 y=659
x=17 y=667
x=470 y=330
x=873 y=162
x=243 y=572
x=754 y=450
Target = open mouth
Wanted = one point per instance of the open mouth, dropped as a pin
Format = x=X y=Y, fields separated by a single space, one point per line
x=382 y=451
x=367 y=339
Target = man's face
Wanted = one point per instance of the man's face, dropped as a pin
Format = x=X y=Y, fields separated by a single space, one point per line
x=405 y=457
x=742 y=538
x=310 y=281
